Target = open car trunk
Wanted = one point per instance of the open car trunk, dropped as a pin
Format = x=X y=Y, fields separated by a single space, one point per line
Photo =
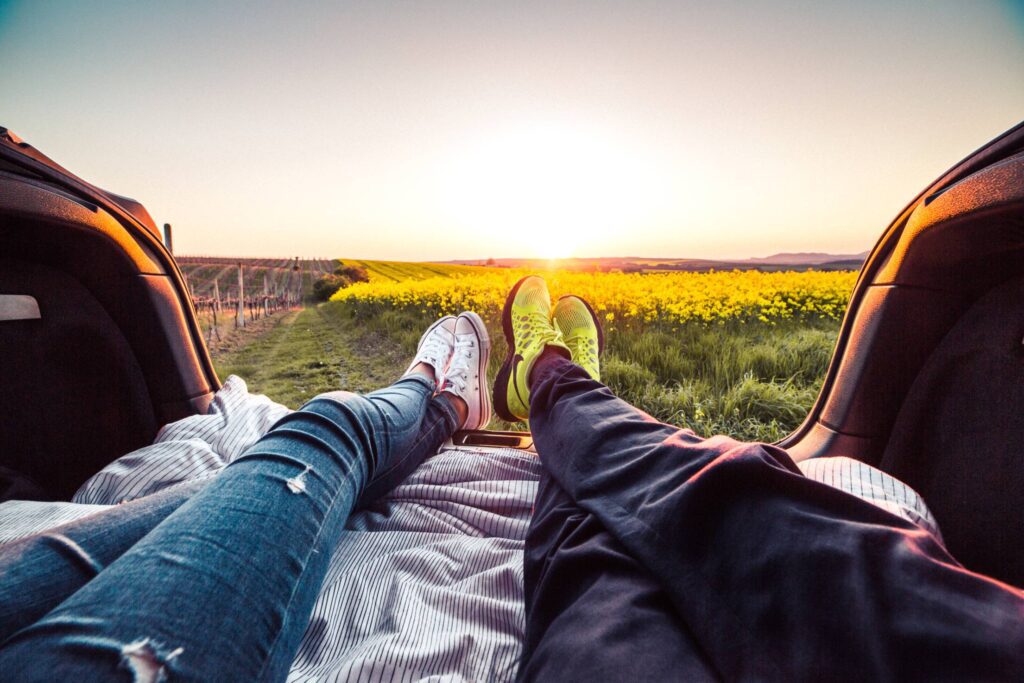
x=99 y=344
x=960 y=238
x=927 y=380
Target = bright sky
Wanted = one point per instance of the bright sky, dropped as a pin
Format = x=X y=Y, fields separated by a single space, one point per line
x=443 y=130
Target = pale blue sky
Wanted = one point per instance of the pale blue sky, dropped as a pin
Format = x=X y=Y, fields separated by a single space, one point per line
x=437 y=130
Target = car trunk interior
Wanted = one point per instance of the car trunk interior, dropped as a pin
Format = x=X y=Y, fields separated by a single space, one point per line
x=952 y=248
x=110 y=356
x=928 y=379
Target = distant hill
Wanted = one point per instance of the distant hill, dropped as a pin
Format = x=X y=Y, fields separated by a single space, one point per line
x=783 y=261
x=809 y=258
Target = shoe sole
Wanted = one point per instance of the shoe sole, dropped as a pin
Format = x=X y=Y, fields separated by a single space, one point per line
x=485 y=356
x=505 y=371
x=437 y=323
x=597 y=322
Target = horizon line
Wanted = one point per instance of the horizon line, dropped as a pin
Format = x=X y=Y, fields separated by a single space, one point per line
x=840 y=255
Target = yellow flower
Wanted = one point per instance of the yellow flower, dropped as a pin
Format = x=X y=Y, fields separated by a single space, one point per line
x=634 y=299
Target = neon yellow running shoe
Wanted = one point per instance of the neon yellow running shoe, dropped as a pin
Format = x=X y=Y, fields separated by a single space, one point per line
x=576 y=321
x=528 y=330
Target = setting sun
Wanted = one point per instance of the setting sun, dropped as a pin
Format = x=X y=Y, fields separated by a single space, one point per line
x=558 y=188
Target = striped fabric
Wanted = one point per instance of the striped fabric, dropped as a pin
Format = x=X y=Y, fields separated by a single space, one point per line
x=197 y=446
x=428 y=583
x=874 y=486
x=19 y=518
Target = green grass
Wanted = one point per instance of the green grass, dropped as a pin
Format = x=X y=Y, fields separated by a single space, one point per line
x=312 y=351
x=753 y=382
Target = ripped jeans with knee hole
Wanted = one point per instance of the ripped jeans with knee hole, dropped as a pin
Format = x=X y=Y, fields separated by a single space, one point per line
x=213 y=581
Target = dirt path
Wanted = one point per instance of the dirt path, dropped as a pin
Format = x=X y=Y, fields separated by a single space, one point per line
x=307 y=352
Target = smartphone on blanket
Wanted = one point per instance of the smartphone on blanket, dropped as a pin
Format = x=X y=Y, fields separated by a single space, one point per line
x=520 y=440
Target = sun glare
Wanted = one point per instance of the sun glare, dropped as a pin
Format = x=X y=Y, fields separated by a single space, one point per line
x=550 y=191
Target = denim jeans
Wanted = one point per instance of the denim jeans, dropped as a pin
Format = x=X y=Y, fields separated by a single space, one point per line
x=213 y=581
x=654 y=554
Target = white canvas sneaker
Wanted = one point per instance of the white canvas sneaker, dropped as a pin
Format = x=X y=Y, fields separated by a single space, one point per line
x=436 y=347
x=467 y=374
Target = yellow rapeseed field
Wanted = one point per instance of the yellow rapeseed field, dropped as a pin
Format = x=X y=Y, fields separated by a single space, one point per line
x=629 y=299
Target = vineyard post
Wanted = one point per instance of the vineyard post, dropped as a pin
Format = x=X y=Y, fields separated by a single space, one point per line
x=215 y=328
x=216 y=295
x=266 y=295
x=240 y=317
x=296 y=275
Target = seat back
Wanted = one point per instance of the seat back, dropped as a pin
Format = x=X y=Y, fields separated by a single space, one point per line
x=72 y=394
x=959 y=436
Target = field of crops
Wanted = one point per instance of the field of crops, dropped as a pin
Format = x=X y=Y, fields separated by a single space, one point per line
x=739 y=352
x=402 y=271
x=627 y=299
x=269 y=286
x=281 y=275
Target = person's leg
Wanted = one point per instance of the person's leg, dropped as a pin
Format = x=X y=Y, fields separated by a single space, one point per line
x=776 y=575
x=464 y=401
x=43 y=570
x=593 y=613
x=222 y=588
x=443 y=415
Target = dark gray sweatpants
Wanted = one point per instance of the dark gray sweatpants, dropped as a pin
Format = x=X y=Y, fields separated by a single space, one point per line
x=657 y=555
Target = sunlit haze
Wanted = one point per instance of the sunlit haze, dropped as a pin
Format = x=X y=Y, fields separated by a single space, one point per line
x=448 y=130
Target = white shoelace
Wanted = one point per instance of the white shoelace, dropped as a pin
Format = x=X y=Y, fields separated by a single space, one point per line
x=459 y=370
x=435 y=352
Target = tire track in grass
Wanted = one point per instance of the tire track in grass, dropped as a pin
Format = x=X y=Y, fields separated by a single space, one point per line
x=370 y=361
x=311 y=352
